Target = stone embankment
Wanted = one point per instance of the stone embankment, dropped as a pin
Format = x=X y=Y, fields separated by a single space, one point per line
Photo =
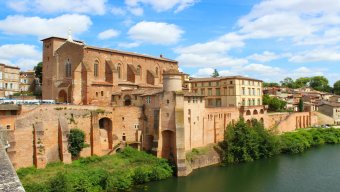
x=209 y=158
x=9 y=181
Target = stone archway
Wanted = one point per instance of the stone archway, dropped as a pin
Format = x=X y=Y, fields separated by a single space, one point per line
x=127 y=100
x=248 y=112
x=62 y=96
x=168 y=144
x=106 y=139
x=255 y=112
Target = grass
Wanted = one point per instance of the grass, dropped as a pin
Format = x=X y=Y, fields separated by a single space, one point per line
x=117 y=172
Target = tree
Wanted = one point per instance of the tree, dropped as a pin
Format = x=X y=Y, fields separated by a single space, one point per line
x=38 y=71
x=270 y=84
x=337 y=87
x=76 y=142
x=302 y=82
x=301 y=106
x=274 y=104
x=288 y=82
x=215 y=73
x=320 y=83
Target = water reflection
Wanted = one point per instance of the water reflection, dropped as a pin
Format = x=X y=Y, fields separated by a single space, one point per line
x=315 y=170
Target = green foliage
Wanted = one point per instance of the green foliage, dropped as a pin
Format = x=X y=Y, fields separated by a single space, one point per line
x=38 y=71
x=58 y=183
x=302 y=82
x=301 y=105
x=299 y=141
x=288 y=82
x=117 y=172
x=215 y=73
x=320 y=83
x=337 y=87
x=274 y=104
x=196 y=152
x=245 y=143
x=76 y=140
x=270 y=84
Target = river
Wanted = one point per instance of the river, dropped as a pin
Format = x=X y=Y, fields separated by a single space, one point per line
x=316 y=170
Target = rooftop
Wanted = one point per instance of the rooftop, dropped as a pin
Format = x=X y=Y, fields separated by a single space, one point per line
x=221 y=78
x=113 y=50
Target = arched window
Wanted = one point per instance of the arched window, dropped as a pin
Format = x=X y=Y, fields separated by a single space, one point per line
x=68 y=68
x=156 y=70
x=139 y=70
x=95 y=68
x=119 y=71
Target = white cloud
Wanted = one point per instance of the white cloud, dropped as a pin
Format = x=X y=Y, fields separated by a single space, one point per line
x=118 y=11
x=155 y=33
x=128 y=45
x=42 y=27
x=59 y=6
x=162 y=5
x=21 y=55
x=262 y=69
x=316 y=55
x=204 y=72
x=211 y=53
x=266 y=56
x=137 y=11
x=298 y=19
x=108 y=34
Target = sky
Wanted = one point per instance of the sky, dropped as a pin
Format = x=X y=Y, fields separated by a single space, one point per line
x=267 y=40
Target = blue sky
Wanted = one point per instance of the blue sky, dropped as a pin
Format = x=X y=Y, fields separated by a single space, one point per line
x=268 y=40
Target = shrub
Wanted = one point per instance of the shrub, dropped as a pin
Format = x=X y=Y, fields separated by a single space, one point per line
x=76 y=140
x=58 y=183
x=119 y=182
x=245 y=143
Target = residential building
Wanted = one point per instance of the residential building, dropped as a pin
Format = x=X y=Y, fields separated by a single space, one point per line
x=230 y=91
x=27 y=81
x=9 y=80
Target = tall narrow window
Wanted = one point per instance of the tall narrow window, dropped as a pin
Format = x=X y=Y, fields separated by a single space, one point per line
x=95 y=68
x=119 y=71
x=68 y=68
x=138 y=70
x=157 y=71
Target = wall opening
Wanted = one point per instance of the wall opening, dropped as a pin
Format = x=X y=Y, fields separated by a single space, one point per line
x=105 y=126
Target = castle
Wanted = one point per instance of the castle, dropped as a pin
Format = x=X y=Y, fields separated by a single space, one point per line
x=120 y=98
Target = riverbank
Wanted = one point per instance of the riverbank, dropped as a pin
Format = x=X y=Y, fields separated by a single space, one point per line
x=314 y=170
x=117 y=172
x=247 y=143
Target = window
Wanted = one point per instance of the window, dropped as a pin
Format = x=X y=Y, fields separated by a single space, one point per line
x=254 y=92
x=148 y=99
x=249 y=92
x=202 y=91
x=217 y=83
x=119 y=71
x=138 y=71
x=68 y=68
x=167 y=101
x=96 y=94
x=218 y=92
x=243 y=102
x=258 y=101
x=209 y=84
x=189 y=99
x=156 y=70
x=258 y=92
x=243 y=91
x=95 y=69
x=102 y=93
x=209 y=92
